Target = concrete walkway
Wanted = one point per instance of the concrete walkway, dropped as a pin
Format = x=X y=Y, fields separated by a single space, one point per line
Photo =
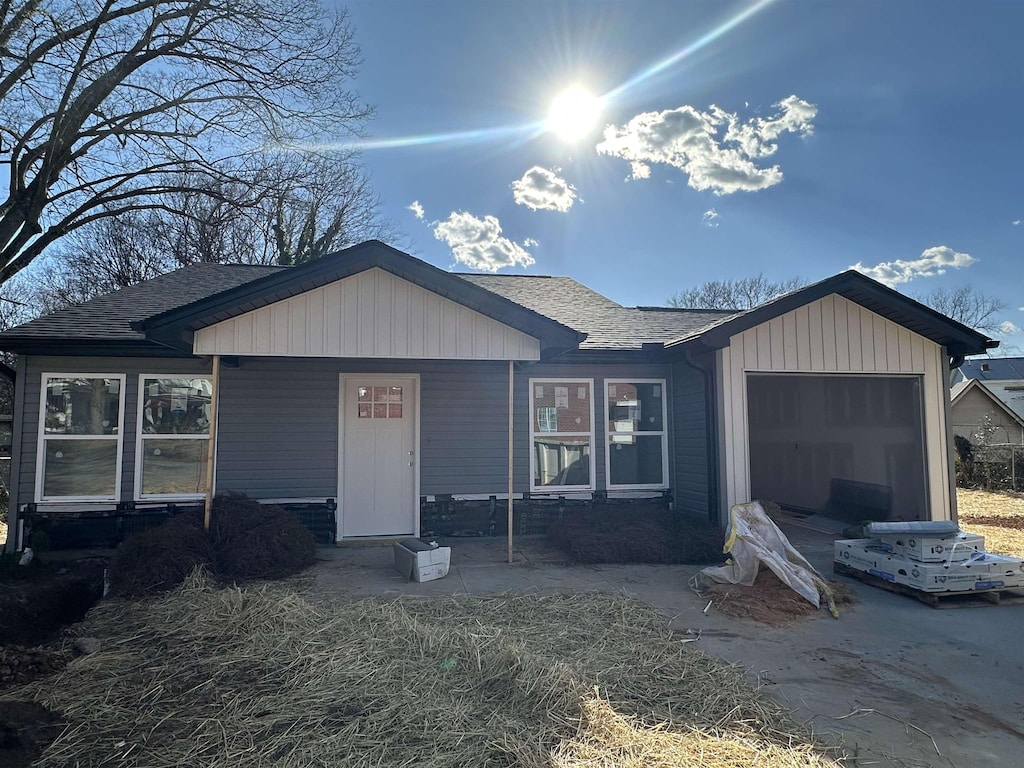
x=896 y=682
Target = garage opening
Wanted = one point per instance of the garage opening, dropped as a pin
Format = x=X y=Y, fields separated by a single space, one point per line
x=848 y=446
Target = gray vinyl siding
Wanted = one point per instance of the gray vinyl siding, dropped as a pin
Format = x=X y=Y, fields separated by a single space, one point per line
x=689 y=438
x=464 y=428
x=278 y=420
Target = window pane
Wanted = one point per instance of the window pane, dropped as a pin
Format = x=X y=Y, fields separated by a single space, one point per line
x=176 y=406
x=80 y=468
x=561 y=461
x=635 y=460
x=570 y=401
x=83 y=406
x=635 y=407
x=174 y=466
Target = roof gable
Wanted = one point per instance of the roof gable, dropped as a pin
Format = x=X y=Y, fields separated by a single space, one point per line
x=957 y=338
x=961 y=388
x=176 y=326
x=372 y=314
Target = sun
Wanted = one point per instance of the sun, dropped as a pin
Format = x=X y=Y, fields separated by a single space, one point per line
x=573 y=113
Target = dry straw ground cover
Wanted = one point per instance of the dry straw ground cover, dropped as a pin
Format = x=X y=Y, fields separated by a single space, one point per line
x=999 y=517
x=261 y=676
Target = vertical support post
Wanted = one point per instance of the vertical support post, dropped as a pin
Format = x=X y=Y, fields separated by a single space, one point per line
x=211 y=453
x=511 y=381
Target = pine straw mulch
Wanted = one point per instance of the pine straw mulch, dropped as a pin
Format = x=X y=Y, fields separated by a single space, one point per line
x=262 y=676
x=999 y=517
x=769 y=601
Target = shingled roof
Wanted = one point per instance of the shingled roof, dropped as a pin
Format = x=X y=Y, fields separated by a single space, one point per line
x=608 y=325
x=108 y=319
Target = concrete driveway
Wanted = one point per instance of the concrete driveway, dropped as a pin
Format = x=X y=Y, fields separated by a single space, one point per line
x=895 y=682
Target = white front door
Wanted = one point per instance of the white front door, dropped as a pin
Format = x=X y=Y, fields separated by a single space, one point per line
x=379 y=464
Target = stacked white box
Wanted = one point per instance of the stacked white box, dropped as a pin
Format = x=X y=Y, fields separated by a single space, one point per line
x=934 y=549
x=982 y=571
x=419 y=561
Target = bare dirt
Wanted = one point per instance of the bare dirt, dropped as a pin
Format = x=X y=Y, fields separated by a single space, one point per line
x=36 y=601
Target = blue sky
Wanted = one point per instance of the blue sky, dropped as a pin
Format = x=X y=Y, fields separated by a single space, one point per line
x=789 y=137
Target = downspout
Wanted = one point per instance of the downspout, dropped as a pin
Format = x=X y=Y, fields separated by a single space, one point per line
x=711 y=430
x=13 y=500
x=511 y=384
x=211 y=453
x=947 y=415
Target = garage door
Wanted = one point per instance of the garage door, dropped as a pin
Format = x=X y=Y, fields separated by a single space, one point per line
x=848 y=446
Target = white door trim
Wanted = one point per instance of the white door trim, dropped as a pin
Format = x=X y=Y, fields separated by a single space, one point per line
x=414 y=501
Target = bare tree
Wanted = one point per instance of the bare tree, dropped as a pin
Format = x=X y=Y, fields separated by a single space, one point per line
x=108 y=106
x=331 y=209
x=743 y=293
x=968 y=306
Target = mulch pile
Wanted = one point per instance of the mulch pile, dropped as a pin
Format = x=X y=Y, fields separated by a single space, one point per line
x=247 y=540
x=637 y=534
x=769 y=601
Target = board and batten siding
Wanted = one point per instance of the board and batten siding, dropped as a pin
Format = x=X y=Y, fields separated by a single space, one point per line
x=370 y=315
x=831 y=336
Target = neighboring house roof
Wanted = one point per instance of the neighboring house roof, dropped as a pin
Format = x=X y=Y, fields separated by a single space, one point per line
x=961 y=388
x=107 y=320
x=608 y=325
x=992 y=369
x=957 y=338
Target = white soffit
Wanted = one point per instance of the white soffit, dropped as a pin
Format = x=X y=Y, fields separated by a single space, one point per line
x=373 y=314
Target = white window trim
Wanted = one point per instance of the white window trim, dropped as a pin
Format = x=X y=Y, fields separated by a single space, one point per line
x=42 y=437
x=534 y=433
x=663 y=433
x=139 y=437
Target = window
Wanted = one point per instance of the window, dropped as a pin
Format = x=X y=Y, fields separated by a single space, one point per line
x=562 y=434
x=637 y=455
x=379 y=403
x=80 y=437
x=174 y=437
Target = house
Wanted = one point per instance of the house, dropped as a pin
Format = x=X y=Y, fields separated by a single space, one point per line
x=375 y=382
x=976 y=408
x=1003 y=377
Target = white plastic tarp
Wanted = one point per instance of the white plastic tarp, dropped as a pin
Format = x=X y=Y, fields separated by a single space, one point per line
x=755 y=539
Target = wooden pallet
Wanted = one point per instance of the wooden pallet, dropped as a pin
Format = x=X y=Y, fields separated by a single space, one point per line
x=965 y=599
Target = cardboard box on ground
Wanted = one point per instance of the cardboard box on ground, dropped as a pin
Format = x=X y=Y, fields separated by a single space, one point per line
x=420 y=561
x=981 y=571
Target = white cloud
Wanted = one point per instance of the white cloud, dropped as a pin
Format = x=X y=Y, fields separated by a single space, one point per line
x=714 y=149
x=1007 y=328
x=933 y=261
x=417 y=209
x=710 y=218
x=530 y=243
x=1016 y=222
x=478 y=243
x=542 y=190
